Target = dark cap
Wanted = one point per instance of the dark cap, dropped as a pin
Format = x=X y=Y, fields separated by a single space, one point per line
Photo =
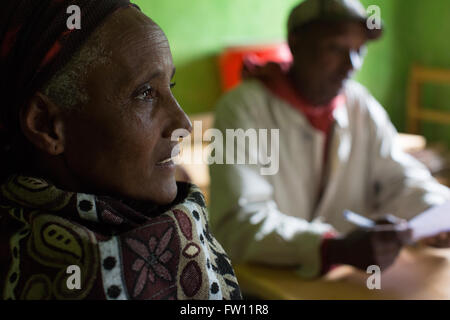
x=331 y=10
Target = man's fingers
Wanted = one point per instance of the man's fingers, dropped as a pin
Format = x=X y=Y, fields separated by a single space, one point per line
x=386 y=236
x=387 y=260
x=397 y=235
x=390 y=249
x=405 y=236
x=441 y=240
x=389 y=219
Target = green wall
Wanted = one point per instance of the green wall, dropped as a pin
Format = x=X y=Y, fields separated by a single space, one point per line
x=198 y=30
x=380 y=70
x=416 y=31
x=427 y=40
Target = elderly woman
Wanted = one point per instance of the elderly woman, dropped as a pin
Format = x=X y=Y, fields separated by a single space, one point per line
x=89 y=205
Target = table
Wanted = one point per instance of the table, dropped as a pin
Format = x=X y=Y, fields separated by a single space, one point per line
x=418 y=273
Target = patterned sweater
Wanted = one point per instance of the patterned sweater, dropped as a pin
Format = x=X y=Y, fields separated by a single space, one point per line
x=62 y=245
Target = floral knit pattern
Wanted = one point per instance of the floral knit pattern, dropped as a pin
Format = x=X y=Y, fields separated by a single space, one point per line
x=122 y=252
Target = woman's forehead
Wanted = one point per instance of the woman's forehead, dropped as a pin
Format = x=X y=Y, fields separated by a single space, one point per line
x=137 y=46
x=129 y=27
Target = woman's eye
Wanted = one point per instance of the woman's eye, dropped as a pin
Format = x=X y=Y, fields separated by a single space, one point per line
x=146 y=94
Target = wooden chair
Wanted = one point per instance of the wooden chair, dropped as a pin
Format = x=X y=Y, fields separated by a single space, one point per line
x=415 y=111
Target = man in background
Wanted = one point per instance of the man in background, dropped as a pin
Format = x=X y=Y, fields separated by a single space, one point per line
x=337 y=151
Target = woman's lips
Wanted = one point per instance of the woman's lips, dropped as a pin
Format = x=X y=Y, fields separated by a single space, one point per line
x=166 y=163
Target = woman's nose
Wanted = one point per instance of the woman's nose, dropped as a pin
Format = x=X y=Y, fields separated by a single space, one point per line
x=179 y=125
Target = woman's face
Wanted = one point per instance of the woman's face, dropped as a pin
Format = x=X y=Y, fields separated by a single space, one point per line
x=118 y=143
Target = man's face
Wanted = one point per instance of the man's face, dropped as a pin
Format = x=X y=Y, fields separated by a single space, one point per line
x=118 y=142
x=325 y=56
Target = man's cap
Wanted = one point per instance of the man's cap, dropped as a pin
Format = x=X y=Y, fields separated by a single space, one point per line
x=330 y=10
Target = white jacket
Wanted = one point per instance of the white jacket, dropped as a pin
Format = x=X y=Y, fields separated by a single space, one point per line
x=275 y=219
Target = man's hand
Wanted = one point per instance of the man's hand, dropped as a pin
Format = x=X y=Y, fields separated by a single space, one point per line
x=441 y=240
x=379 y=245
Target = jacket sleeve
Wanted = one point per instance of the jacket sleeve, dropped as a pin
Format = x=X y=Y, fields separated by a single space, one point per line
x=401 y=185
x=244 y=216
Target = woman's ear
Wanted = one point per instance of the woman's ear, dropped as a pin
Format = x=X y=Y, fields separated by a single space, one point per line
x=42 y=123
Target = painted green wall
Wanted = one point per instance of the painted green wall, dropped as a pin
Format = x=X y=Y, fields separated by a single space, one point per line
x=380 y=70
x=427 y=42
x=416 y=31
x=198 y=30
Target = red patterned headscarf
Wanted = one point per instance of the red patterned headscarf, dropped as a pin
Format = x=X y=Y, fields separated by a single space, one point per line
x=35 y=43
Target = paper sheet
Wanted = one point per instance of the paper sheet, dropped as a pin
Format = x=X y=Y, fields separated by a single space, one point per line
x=431 y=222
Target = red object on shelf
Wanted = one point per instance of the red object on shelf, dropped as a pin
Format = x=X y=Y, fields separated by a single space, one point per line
x=231 y=60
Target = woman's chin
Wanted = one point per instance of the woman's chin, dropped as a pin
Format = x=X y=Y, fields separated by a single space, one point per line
x=166 y=193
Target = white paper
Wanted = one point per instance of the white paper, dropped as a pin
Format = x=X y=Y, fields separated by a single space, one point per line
x=431 y=222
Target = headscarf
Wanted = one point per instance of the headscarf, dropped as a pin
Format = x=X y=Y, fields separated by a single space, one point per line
x=35 y=43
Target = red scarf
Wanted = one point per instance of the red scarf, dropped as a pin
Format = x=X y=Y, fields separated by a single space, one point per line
x=275 y=77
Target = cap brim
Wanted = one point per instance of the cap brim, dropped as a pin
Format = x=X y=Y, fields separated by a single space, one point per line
x=372 y=34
